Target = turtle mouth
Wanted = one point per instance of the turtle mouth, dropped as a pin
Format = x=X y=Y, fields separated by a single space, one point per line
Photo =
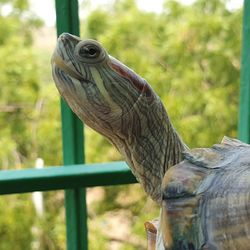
x=60 y=63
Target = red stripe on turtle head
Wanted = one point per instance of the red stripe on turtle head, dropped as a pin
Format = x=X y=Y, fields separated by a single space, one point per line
x=135 y=79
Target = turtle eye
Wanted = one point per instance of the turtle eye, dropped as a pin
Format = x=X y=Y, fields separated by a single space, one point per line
x=89 y=51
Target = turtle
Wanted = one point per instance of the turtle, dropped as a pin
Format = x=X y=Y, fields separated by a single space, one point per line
x=203 y=193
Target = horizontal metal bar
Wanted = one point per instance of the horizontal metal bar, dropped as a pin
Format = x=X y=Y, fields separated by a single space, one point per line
x=69 y=177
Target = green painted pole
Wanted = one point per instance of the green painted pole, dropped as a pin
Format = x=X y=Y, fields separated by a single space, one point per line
x=244 y=115
x=67 y=20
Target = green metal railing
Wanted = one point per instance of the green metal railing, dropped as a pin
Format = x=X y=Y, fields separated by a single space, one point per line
x=65 y=177
x=244 y=114
x=67 y=20
x=75 y=176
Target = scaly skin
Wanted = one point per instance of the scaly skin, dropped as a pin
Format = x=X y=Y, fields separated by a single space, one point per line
x=119 y=104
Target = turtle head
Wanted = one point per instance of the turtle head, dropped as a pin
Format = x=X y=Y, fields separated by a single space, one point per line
x=119 y=104
x=100 y=90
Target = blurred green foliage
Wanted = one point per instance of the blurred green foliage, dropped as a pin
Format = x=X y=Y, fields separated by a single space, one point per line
x=19 y=84
x=191 y=57
x=29 y=128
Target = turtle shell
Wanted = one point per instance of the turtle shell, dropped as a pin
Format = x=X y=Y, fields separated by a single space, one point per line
x=206 y=199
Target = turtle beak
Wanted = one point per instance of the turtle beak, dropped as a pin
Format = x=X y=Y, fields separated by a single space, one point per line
x=66 y=36
x=57 y=57
x=58 y=61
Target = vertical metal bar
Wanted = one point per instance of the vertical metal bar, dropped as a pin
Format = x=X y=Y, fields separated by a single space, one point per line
x=67 y=20
x=244 y=115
